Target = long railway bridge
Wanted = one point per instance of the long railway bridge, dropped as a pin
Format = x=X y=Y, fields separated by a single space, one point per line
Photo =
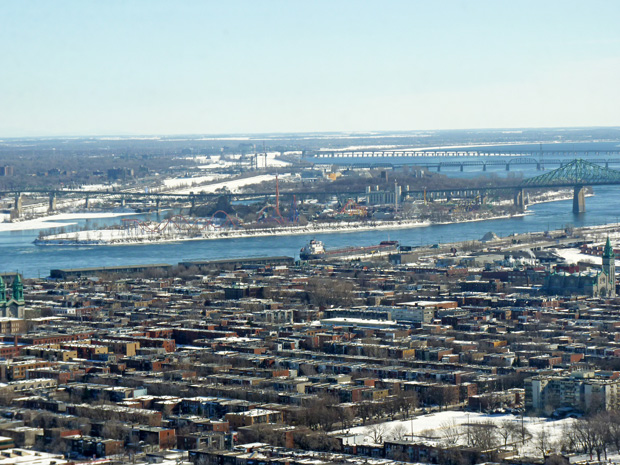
x=437 y=160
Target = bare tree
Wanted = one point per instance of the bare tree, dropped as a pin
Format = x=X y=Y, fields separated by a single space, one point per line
x=376 y=432
x=328 y=412
x=542 y=441
x=315 y=441
x=505 y=431
x=268 y=433
x=483 y=435
x=614 y=428
x=568 y=441
x=450 y=432
x=398 y=432
x=392 y=407
x=7 y=396
x=323 y=414
x=114 y=429
x=583 y=437
x=407 y=401
x=602 y=437
x=345 y=416
x=517 y=432
x=366 y=410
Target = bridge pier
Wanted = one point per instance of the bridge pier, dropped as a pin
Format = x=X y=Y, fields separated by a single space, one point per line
x=17 y=208
x=439 y=168
x=579 y=200
x=52 y=202
x=461 y=167
x=86 y=202
x=157 y=204
x=484 y=167
x=519 y=199
x=507 y=166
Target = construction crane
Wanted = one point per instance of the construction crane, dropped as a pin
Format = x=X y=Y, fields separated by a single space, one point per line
x=353 y=209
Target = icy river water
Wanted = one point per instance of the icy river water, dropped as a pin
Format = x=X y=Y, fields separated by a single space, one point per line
x=20 y=254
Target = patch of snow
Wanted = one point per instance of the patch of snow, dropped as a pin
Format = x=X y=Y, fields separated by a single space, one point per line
x=234 y=186
x=429 y=428
x=55 y=221
x=192 y=181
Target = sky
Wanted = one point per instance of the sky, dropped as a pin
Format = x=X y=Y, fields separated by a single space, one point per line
x=136 y=67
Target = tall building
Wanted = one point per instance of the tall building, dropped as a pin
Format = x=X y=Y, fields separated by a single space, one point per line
x=579 y=390
x=6 y=170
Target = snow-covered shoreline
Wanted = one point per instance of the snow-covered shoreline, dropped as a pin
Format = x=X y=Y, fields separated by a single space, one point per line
x=108 y=237
x=122 y=237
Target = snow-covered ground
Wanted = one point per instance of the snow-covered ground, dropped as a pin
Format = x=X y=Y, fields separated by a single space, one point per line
x=575 y=256
x=233 y=186
x=273 y=160
x=56 y=221
x=175 y=183
x=434 y=427
x=96 y=187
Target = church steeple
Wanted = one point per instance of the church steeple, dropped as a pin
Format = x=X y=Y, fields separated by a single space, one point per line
x=609 y=266
x=608 y=251
x=18 y=288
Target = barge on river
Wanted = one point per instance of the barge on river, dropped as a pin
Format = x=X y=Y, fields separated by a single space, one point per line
x=315 y=250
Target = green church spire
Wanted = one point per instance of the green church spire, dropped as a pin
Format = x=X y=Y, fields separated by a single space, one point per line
x=608 y=251
x=18 y=288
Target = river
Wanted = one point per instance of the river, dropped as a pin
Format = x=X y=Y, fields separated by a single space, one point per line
x=19 y=253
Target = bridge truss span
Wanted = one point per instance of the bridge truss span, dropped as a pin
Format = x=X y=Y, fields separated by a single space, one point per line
x=578 y=174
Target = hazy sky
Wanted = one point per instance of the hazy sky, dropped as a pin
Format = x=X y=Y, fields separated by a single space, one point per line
x=181 y=67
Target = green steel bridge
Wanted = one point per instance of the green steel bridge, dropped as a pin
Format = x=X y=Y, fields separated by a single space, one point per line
x=576 y=174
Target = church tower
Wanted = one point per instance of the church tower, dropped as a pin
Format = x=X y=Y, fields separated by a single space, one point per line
x=12 y=298
x=609 y=267
x=18 y=289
